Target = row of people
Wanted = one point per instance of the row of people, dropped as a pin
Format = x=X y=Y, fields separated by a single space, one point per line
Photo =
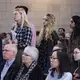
x=29 y=69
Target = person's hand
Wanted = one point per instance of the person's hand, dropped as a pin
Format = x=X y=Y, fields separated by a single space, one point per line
x=76 y=76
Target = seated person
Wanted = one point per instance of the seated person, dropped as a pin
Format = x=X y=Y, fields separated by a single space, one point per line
x=10 y=67
x=60 y=66
x=29 y=69
x=76 y=74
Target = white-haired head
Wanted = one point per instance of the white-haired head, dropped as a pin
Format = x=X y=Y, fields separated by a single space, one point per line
x=12 y=47
x=32 y=52
x=56 y=47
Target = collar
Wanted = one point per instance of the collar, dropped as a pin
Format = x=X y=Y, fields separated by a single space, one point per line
x=9 y=63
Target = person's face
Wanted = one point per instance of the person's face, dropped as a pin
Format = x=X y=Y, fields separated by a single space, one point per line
x=60 y=31
x=7 y=52
x=26 y=59
x=72 y=24
x=76 y=54
x=17 y=16
x=45 y=21
x=54 y=60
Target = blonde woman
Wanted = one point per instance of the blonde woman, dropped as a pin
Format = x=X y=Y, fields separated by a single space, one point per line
x=47 y=40
x=33 y=42
x=22 y=28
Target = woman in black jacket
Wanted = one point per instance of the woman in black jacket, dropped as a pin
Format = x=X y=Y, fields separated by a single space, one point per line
x=29 y=69
x=47 y=40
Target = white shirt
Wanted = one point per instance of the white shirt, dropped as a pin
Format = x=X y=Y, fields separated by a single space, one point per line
x=65 y=76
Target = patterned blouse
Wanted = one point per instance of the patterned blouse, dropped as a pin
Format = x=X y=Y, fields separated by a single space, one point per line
x=24 y=36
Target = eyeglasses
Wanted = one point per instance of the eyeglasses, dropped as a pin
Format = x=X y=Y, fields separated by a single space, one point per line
x=51 y=57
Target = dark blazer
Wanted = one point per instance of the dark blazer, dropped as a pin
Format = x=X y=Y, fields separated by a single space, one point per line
x=1 y=56
x=12 y=71
x=36 y=74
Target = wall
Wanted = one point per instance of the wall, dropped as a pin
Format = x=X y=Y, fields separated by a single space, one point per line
x=62 y=9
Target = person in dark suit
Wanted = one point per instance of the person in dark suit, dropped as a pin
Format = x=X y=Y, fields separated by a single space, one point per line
x=10 y=67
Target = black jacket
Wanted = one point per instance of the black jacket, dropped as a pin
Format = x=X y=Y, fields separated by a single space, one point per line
x=12 y=71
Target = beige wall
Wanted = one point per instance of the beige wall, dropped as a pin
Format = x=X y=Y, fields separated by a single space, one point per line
x=62 y=9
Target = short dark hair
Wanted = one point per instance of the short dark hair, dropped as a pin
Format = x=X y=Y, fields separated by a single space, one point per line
x=63 y=58
x=24 y=7
x=61 y=29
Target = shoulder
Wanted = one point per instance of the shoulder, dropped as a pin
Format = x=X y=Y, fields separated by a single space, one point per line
x=67 y=76
x=37 y=69
x=36 y=74
x=27 y=28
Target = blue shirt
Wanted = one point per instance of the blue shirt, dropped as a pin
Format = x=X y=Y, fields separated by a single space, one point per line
x=65 y=76
x=6 y=67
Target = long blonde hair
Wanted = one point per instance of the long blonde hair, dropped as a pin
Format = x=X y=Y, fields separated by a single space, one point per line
x=48 y=29
x=25 y=21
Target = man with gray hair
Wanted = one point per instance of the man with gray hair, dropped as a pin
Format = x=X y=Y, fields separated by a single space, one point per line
x=9 y=69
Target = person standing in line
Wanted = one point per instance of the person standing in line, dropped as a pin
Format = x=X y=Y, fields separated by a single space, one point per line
x=47 y=40
x=74 y=40
x=22 y=28
x=33 y=42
